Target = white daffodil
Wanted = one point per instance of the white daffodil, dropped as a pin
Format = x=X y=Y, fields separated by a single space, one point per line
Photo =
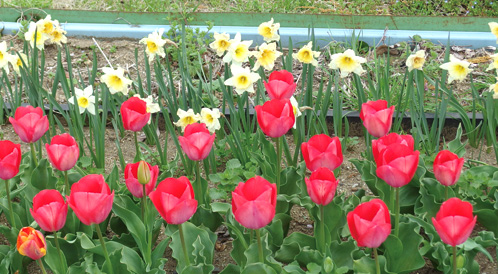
x=457 y=69
x=238 y=51
x=5 y=57
x=296 y=110
x=494 y=64
x=47 y=25
x=84 y=99
x=221 y=43
x=242 y=79
x=40 y=37
x=347 y=62
x=269 y=31
x=266 y=55
x=17 y=62
x=115 y=80
x=211 y=117
x=155 y=44
x=186 y=118
x=494 y=29
x=416 y=61
x=307 y=55
x=494 y=89
x=152 y=106
x=58 y=36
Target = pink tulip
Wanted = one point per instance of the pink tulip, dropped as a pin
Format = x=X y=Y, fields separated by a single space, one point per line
x=447 y=167
x=134 y=114
x=454 y=221
x=132 y=182
x=29 y=123
x=322 y=151
x=370 y=223
x=280 y=85
x=376 y=117
x=197 y=141
x=321 y=186
x=397 y=165
x=63 y=152
x=49 y=210
x=10 y=159
x=275 y=117
x=379 y=145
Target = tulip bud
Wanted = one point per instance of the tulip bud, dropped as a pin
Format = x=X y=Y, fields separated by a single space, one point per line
x=328 y=265
x=143 y=173
x=31 y=243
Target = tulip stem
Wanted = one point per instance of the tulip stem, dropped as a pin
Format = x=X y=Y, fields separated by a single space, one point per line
x=198 y=183
x=377 y=265
x=396 y=222
x=33 y=154
x=102 y=243
x=148 y=230
x=66 y=183
x=138 y=154
x=56 y=240
x=41 y=266
x=454 y=259
x=322 y=229
x=184 y=246
x=260 y=247
x=279 y=161
x=446 y=193
x=12 y=219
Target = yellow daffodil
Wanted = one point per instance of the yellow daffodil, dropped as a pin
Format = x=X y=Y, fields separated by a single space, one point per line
x=84 y=99
x=211 y=117
x=266 y=55
x=5 y=57
x=17 y=62
x=347 y=62
x=416 y=61
x=494 y=29
x=494 y=64
x=307 y=55
x=296 y=110
x=221 y=43
x=40 y=37
x=47 y=25
x=494 y=89
x=457 y=69
x=155 y=44
x=58 y=36
x=115 y=80
x=186 y=118
x=242 y=79
x=269 y=31
x=238 y=51
x=152 y=106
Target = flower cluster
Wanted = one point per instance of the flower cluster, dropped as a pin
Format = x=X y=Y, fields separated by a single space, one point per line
x=209 y=117
x=45 y=30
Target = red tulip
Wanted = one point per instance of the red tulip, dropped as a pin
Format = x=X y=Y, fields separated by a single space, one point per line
x=447 y=167
x=370 y=223
x=376 y=117
x=174 y=199
x=49 y=210
x=31 y=243
x=379 y=145
x=29 y=123
x=280 y=85
x=397 y=165
x=134 y=114
x=10 y=159
x=322 y=151
x=321 y=186
x=454 y=221
x=91 y=199
x=254 y=202
x=196 y=142
x=132 y=182
x=275 y=117
x=63 y=152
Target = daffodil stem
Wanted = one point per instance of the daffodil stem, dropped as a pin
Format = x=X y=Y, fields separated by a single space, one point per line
x=33 y=154
x=11 y=211
x=279 y=161
x=184 y=246
x=377 y=265
x=56 y=240
x=138 y=154
x=198 y=182
x=396 y=222
x=260 y=246
x=454 y=259
x=102 y=243
x=41 y=266
x=322 y=229
x=66 y=183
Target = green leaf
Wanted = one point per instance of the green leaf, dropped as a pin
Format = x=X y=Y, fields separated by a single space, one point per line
x=366 y=265
x=53 y=261
x=233 y=164
x=402 y=253
x=293 y=245
x=258 y=268
x=42 y=177
x=126 y=260
x=204 y=216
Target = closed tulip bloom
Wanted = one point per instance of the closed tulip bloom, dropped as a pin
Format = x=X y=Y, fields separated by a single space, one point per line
x=29 y=123
x=63 y=152
x=322 y=151
x=254 y=202
x=134 y=114
x=370 y=223
x=379 y=145
x=91 y=199
x=10 y=159
x=321 y=186
x=31 y=243
x=377 y=117
x=132 y=182
x=447 y=167
x=49 y=210
x=275 y=117
x=196 y=142
x=454 y=221
x=280 y=85
x=397 y=165
x=174 y=199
